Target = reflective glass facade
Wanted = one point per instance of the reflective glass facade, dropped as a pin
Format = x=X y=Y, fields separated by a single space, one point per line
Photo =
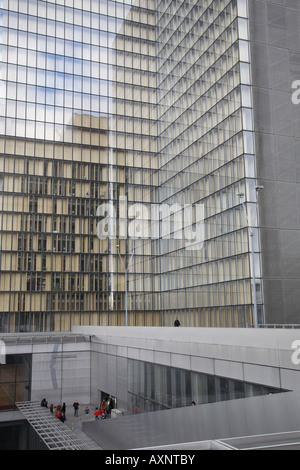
x=153 y=387
x=15 y=380
x=206 y=154
x=78 y=130
x=126 y=107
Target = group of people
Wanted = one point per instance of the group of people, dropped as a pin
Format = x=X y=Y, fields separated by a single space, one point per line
x=104 y=411
x=105 y=408
x=58 y=410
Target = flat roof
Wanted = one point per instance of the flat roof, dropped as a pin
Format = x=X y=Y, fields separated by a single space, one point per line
x=275 y=441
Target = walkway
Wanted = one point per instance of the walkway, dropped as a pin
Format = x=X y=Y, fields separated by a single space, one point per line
x=55 y=434
x=75 y=423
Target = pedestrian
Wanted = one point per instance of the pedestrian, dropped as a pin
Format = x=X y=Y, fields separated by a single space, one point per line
x=97 y=414
x=87 y=412
x=44 y=403
x=107 y=402
x=76 y=407
x=177 y=322
x=51 y=407
x=63 y=410
x=111 y=406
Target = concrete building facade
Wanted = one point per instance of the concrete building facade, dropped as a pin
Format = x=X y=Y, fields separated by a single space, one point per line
x=254 y=376
x=275 y=54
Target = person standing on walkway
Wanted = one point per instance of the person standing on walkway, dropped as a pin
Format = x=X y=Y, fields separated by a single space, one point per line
x=177 y=322
x=102 y=406
x=44 y=403
x=87 y=412
x=97 y=414
x=63 y=410
x=76 y=408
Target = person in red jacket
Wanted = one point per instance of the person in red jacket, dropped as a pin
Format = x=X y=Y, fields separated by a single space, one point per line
x=97 y=413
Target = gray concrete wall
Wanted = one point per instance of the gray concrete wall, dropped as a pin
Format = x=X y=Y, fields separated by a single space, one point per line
x=60 y=371
x=275 y=62
x=253 y=355
x=69 y=371
x=246 y=417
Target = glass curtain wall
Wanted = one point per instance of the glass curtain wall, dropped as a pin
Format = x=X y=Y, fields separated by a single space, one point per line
x=15 y=380
x=206 y=157
x=114 y=115
x=77 y=133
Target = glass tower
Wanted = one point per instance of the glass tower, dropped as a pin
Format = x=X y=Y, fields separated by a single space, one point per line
x=116 y=119
x=206 y=156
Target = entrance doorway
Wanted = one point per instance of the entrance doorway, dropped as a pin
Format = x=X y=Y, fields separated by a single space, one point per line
x=107 y=397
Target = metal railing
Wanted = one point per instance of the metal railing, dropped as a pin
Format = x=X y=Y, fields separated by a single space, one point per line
x=29 y=338
x=278 y=325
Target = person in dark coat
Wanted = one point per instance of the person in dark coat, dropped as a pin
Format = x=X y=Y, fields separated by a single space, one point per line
x=76 y=408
